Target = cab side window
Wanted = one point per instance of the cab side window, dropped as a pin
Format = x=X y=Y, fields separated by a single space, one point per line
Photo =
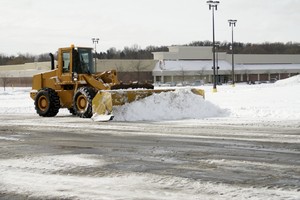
x=66 y=62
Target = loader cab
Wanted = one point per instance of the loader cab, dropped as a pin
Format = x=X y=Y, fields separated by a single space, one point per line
x=83 y=61
x=74 y=60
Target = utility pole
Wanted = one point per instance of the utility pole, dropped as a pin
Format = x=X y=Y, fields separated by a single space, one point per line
x=232 y=23
x=213 y=5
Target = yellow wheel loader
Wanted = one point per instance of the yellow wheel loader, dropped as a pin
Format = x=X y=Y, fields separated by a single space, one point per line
x=74 y=85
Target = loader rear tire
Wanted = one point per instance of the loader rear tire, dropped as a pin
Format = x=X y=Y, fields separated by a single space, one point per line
x=47 y=102
x=82 y=102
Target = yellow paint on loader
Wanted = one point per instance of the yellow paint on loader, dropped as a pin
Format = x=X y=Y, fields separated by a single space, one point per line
x=102 y=103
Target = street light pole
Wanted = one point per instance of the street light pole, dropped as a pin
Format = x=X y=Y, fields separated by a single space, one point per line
x=232 y=23
x=213 y=5
x=95 y=41
x=217 y=62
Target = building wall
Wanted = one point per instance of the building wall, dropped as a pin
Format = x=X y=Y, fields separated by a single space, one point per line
x=165 y=56
x=129 y=70
x=125 y=65
x=142 y=77
x=194 y=53
x=205 y=53
x=184 y=53
x=263 y=58
x=27 y=66
x=16 y=82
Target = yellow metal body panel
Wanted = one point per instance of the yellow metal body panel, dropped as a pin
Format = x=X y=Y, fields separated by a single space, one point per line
x=66 y=98
x=102 y=103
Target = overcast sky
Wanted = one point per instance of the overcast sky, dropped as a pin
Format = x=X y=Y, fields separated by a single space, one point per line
x=40 y=26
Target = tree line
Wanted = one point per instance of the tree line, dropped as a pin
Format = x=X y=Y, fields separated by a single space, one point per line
x=135 y=52
x=23 y=58
x=252 y=48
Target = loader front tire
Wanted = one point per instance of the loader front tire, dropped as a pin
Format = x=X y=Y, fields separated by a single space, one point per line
x=47 y=102
x=82 y=102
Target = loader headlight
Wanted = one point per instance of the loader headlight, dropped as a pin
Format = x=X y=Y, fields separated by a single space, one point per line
x=75 y=76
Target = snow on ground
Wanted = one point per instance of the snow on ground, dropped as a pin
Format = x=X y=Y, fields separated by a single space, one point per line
x=16 y=101
x=263 y=102
x=53 y=176
x=41 y=177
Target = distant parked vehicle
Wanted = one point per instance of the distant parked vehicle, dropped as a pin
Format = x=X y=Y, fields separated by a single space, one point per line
x=198 y=83
x=184 y=83
x=273 y=80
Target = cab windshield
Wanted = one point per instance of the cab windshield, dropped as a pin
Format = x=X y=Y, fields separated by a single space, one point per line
x=83 y=61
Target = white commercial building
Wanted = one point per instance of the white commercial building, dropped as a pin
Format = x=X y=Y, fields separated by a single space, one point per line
x=192 y=64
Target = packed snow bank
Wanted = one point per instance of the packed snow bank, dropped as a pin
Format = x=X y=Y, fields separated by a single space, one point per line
x=180 y=104
x=280 y=101
x=295 y=80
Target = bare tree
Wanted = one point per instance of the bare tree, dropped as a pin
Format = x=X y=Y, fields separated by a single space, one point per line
x=119 y=68
x=182 y=73
x=121 y=71
x=138 y=67
x=201 y=73
x=4 y=80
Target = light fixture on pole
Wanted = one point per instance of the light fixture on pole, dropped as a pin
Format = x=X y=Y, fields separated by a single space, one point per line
x=95 y=41
x=213 y=5
x=232 y=23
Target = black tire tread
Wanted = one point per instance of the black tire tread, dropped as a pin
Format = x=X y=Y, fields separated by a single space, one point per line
x=54 y=103
x=89 y=93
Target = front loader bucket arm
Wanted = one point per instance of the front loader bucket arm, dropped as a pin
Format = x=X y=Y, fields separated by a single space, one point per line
x=102 y=81
x=94 y=83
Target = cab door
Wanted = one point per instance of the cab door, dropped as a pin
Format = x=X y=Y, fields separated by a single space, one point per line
x=66 y=63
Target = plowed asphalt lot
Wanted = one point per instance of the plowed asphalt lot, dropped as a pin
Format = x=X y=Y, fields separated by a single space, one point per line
x=232 y=161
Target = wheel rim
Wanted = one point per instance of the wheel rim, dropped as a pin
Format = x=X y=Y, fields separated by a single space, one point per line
x=43 y=103
x=81 y=103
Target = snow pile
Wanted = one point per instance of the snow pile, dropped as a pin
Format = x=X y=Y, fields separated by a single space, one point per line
x=295 y=80
x=179 y=104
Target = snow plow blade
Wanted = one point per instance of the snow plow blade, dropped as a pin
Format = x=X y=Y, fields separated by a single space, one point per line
x=104 y=100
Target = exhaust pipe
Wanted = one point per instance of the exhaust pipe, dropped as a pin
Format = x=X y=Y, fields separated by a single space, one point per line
x=52 y=61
